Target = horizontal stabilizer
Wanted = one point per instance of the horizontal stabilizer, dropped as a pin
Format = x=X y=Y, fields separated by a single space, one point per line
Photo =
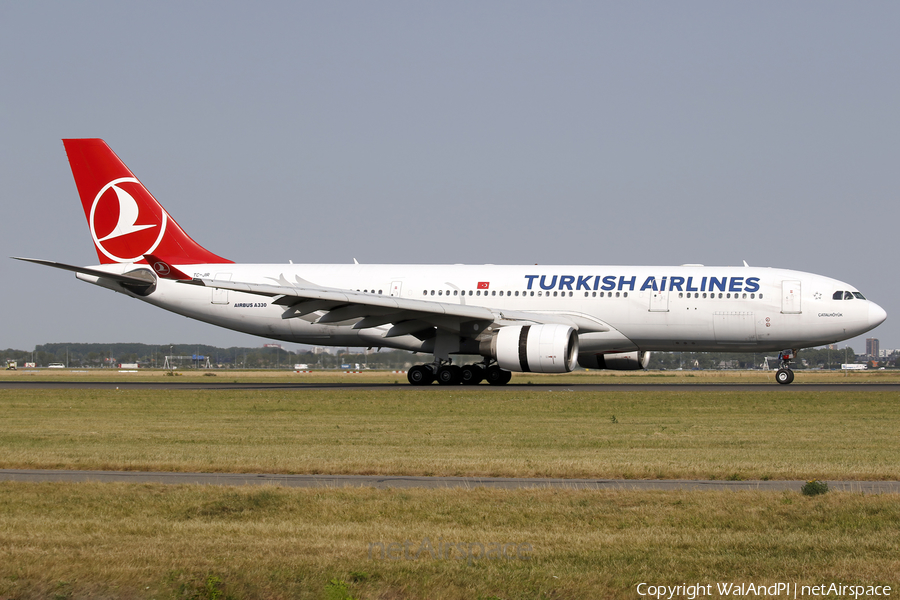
x=138 y=277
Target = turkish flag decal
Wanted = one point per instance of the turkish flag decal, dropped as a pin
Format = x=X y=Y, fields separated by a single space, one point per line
x=483 y=285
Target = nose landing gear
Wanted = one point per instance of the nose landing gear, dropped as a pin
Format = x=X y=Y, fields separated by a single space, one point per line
x=785 y=375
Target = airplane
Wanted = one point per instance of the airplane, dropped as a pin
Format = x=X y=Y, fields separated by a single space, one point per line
x=530 y=318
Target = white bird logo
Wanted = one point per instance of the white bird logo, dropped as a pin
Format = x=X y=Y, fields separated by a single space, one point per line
x=128 y=216
x=129 y=212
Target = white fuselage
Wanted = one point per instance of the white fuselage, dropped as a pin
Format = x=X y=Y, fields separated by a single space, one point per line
x=616 y=308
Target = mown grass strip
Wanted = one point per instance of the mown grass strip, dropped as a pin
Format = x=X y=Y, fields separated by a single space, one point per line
x=665 y=434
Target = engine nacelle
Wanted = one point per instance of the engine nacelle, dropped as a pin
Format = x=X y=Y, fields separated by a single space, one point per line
x=620 y=361
x=534 y=348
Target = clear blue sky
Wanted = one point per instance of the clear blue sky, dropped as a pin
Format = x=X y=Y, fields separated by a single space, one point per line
x=474 y=132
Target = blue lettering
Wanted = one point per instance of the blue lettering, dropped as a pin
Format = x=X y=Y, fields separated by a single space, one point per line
x=676 y=283
x=650 y=284
x=566 y=281
x=716 y=282
x=630 y=282
x=752 y=284
x=703 y=285
x=662 y=283
x=547 y=287
x=609 y=283
x=583 y=282
x=736 y=283
x=530 y=279
x=690 y=287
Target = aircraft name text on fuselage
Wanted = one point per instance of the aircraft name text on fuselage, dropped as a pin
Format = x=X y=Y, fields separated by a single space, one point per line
x=672 y=283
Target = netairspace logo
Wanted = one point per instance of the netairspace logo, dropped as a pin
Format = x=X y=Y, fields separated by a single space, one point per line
x=786 y=590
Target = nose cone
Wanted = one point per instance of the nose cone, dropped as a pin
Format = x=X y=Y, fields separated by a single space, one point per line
x=876 y=315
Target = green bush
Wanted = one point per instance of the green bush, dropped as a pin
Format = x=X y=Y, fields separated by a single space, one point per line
x=814 y=488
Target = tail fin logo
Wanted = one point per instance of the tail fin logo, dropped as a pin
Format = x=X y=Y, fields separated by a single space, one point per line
x=115 y=213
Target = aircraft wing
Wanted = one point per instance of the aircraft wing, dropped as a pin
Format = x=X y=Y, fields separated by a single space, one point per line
x=406 y=315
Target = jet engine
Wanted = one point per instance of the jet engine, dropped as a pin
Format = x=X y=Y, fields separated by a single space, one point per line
x=620 y=361
x=534 y=348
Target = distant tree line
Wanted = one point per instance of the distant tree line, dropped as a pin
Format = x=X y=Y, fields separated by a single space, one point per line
x=96 y=356
x=809 y=358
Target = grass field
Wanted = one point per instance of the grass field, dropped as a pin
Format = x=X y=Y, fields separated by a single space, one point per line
x=153 y=541
x=705 y=434
x=90 y=540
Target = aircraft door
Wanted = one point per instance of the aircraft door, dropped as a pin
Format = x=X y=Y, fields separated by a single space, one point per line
x=395 y=288
x=659 y=301
x=221 y=296
x=790 y=297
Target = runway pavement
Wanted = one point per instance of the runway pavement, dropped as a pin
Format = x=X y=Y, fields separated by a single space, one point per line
x=388 y=481
x=582 y=387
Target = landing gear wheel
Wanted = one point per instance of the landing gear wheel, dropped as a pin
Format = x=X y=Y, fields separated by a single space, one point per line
x=420 y=375
x=449 y=375
x=784 y=376
x=472 y=375
x=497 y=376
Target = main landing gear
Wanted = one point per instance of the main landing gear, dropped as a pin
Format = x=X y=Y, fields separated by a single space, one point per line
x=446 y=373
x=785 y=375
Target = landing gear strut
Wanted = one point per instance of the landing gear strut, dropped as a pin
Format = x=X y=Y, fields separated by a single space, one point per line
x=785 y=375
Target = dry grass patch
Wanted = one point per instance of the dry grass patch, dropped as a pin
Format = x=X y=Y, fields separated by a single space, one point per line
x=124 y=541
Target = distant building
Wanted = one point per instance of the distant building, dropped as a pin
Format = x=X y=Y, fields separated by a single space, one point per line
x=872 y=347
x=832 y=347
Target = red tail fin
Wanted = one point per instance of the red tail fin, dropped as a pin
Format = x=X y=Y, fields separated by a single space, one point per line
x=125 y=219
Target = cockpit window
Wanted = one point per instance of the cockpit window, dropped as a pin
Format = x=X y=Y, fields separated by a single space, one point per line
x=838 y=295
x=858 y=295
x=848 y=296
